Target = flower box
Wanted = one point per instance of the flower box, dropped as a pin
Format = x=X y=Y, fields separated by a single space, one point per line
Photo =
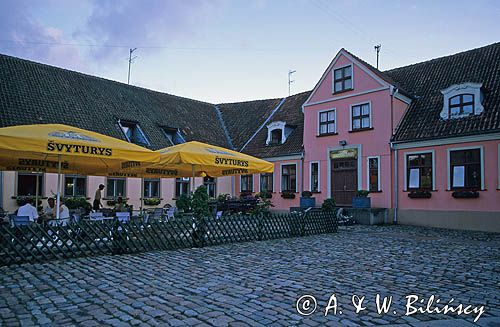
x=465 y=194
x=420 y=195
x=288 y=195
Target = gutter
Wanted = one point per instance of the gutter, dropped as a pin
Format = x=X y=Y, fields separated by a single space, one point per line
x=395 y=185
x=1 y=189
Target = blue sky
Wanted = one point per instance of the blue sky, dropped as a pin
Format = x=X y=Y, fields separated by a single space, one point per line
x=226 y=51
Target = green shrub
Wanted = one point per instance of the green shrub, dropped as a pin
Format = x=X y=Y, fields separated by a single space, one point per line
x=223 y=197
x=307 y=194
x=200 y=202
x=152 y=201
x=264 y=195
x=362 y=193
x=328 y=205
x=77 y=202
x=184 y=203
x=287 y=195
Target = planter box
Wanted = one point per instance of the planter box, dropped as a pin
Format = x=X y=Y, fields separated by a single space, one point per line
x=465 y=194
x=361 y=202
x=420 y=195
x=307 y=202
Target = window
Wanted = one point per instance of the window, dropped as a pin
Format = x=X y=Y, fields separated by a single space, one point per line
x=419 y=171
x=173 y=135
x=276 y=136
x=461 y=105
x=246 y=183
x=342 y=79
x=314 y=176
x=462 y=100
x=465 y=169
x=211 y=185
x=75 y=185
x=360 y=116
x=115 y=187
x=152 y=188
x=182 y=186
x=373 y=174
x=289 y=178
x=266 y=182
x=26 y=183
x=327 y=123
x=133 y=132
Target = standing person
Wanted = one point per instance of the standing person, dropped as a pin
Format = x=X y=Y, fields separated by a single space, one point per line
x=28 y=210
x=97 y=198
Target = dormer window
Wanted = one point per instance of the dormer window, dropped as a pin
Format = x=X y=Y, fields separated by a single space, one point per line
x=462 y=100
x=133 y=132
x=461 y=105
x=342 y=79
x=276 y=136
x=173 y=135
x=277 y=132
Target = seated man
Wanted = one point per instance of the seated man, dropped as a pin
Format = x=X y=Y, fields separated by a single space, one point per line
x=28 y=210
x=120 y=206
x=48 y=211
x=63 y=215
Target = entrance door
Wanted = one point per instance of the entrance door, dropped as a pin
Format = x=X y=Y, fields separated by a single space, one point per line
x=344 y=180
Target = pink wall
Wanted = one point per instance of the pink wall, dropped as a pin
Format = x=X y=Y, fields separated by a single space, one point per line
x=373 y=142
x=441 y=198
x=278 y=202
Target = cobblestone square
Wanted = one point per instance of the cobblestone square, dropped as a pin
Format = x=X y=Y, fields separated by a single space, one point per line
x=259 y=283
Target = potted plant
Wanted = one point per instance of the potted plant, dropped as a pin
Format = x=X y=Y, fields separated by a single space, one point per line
x=361 y=200
x=183 y=203
x=74 y=203
x=328 y=205
x=420 y=194
x=465 y=194
x=264 y=195
x=307 y=200
x=152 y=201
x=288 y=195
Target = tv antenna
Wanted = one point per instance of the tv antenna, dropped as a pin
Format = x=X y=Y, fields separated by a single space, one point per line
x=377 y=49
x=290 y=81
x=130 y=60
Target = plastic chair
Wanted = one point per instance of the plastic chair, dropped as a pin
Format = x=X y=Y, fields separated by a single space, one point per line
x=96 y=216
x=17 y=221
x=218 y=214
x=170 y=213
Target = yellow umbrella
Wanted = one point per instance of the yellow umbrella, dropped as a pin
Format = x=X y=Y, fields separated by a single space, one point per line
x=205 y=160
x=66 y=149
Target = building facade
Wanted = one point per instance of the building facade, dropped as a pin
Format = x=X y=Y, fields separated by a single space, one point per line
x=423 y=139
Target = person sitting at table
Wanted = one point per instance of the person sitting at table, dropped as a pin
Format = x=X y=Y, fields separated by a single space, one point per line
x=120 y=206
x=48 y=211
x=63 y=215
x=28 y=210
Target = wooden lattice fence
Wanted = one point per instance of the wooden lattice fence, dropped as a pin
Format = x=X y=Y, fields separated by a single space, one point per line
x=37 y=243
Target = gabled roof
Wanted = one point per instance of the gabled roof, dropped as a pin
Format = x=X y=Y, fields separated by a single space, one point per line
x=242 y=119
x=425 y=81
x=291 y=113
x=33 y=93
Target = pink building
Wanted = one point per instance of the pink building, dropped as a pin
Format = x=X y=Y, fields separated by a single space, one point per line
x=423 y=139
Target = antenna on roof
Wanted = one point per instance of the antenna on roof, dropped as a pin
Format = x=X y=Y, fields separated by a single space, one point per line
x=290 y=81
x=377 y=49
x=130 y=60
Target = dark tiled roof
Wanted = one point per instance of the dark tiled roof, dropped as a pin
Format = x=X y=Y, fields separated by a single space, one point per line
x=291 y=113
x=242 y=119
x=425 y=81
x=33 y=93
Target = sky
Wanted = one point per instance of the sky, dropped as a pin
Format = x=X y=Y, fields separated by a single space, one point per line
x=237 y=50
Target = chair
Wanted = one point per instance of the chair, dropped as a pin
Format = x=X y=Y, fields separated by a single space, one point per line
x=17 y=221
x=170 y=213
x=123 y=217
x=59 y=222
x=96 y=216
x=218 y=214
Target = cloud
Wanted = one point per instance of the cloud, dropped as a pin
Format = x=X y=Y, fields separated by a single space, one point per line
x=146 y=23
x=24 y=36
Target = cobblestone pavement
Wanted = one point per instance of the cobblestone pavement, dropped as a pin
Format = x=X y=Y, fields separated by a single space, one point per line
x=259 y=283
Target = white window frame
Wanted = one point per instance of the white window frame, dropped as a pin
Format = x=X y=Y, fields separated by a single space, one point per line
x=74 y=176
x=405 y=166
x=159 y=187
x=319 y=121
x=481 y=154
x=319 y=175
x=272 y=180
x=464 y=88
x=350 y=114
x=43 y=179
x=296 y=175
x=253 y=184
x=333 y=78
x=274 y=126
x=368 y=172
x=183 y=180
x=124 y=195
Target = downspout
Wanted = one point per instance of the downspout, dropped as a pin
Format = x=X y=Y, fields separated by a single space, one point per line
x=395 y=190
x=1 y=189
x=302 y=172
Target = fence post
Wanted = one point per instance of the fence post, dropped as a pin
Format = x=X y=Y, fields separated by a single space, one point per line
x=115 y=237
x=199 y=232
x=303 y=224
x=260 y=217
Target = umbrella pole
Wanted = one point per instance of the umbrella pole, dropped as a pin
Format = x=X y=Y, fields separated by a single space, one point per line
x=58 y=198
x=142 y=193
x=36 y=191
x=192 y=187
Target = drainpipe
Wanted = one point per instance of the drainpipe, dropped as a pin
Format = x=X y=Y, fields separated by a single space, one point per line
x=395 y=185
x=302 y=172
